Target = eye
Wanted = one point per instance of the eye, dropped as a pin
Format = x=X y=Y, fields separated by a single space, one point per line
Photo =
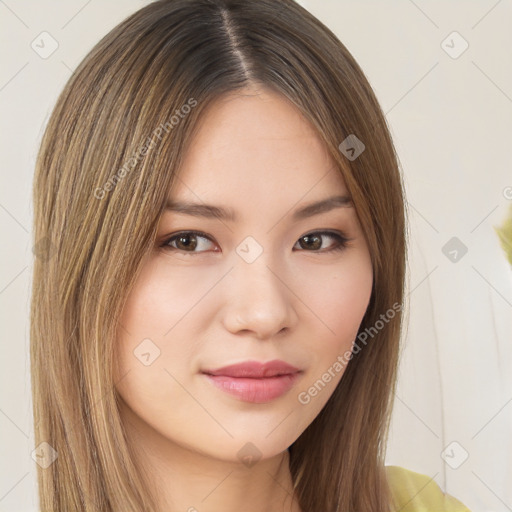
x=312 y=242
x=194 y=242
x=188 y=241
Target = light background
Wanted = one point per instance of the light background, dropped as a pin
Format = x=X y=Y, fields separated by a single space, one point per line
x=451 y=119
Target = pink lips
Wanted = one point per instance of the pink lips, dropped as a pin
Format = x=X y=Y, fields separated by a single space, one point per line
x=253 y=381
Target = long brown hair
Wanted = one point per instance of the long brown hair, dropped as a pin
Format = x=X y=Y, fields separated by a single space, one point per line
x=107 y=161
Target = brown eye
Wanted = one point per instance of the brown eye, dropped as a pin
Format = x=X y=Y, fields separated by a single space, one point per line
x=188 y=241
x=313 y=241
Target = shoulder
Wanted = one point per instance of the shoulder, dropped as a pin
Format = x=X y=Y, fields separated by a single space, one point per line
x=414 y=492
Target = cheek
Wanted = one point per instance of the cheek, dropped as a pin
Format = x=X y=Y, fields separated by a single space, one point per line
x=149 y=363
x=165 y=304
x=163 y=299
x=148 y=321
x=338 y=296
x=346 y=302
x=338 y=299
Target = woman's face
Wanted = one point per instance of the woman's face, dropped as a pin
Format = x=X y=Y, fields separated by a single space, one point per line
x=267 y=279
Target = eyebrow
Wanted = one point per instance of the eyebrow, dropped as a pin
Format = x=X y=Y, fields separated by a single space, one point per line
x=217 y=212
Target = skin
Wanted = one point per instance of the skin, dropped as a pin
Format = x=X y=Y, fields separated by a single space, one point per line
x=208 y=308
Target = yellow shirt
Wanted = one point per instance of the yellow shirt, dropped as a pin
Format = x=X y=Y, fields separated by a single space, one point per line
x=414 y=492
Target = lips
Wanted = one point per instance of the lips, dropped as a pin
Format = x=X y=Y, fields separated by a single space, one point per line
x=253 y=381
x=255 y=369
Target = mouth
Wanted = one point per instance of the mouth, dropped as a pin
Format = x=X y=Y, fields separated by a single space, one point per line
x=255 y=390
x=254 y=381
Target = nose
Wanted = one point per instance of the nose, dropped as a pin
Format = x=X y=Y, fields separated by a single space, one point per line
x=259 y=300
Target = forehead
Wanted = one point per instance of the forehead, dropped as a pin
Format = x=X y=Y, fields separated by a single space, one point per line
x=255 y=145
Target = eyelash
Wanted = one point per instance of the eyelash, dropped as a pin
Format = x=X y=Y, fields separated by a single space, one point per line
x=341 y=241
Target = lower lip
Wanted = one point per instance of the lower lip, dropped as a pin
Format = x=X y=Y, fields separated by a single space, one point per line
x=255 y=390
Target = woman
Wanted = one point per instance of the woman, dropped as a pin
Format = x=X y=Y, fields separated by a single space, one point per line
x=216 y=320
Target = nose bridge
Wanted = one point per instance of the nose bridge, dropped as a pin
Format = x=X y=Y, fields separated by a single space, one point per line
x=260 y=276
x=259 y=300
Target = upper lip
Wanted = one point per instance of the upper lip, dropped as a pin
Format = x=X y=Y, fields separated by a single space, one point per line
x=255 y=369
